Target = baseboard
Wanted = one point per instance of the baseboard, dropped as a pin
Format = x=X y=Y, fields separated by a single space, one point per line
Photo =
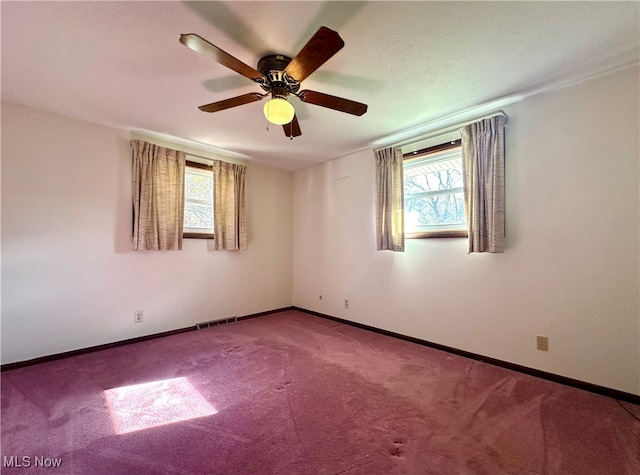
x=594 y=388
x=268 y=312
x=106 y=346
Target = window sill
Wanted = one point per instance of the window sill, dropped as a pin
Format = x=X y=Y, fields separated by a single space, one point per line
x=437 y=234
x=197 y=236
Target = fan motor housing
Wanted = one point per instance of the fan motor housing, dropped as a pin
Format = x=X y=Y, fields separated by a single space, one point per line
x=273 y=62
x=273 y=66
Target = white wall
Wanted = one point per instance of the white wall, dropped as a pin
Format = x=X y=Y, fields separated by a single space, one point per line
x=69 y=277
x=570 y=270
x=571 y=265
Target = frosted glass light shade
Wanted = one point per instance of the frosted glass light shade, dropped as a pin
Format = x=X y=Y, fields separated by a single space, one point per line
x=279 y=111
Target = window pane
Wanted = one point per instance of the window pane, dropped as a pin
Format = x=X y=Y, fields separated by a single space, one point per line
x=198 y=186
x=198 y=216
x=433 y=177
x=435 y=210
x=198 y=200
x=433 y=190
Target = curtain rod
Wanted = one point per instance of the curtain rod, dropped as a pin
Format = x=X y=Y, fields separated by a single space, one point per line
x=440 y=132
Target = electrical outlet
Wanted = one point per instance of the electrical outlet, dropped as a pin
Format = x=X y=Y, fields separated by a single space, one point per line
x=542 y=343
x=138 y=316
x=346 y=303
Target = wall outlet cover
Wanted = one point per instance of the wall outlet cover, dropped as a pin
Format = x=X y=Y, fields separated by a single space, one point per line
x=542 y=343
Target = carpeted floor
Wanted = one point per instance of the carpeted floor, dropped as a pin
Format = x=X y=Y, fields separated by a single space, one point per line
x=291 y=393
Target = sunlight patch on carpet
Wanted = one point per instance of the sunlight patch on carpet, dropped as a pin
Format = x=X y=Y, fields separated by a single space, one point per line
x=142 y=406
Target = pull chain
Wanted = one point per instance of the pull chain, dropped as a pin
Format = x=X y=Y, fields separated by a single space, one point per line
x=268 y=111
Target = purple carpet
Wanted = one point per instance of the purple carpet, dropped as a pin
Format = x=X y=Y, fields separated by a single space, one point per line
x=291 y=393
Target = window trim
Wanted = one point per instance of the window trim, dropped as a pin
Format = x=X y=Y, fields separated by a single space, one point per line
x=449 y=233
x=436 y=148
x=202 y=166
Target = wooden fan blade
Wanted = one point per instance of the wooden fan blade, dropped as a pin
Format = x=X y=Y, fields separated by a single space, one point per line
x=292 y=129
x=324 y=44
x=200 y=45
x=232 y=102
x=332 y=102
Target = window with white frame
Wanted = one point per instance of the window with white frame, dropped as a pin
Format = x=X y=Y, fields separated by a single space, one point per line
x=198 y=200
x=433 y=192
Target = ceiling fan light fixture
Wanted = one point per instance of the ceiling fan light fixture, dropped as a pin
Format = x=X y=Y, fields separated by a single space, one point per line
x=280 y=76
x=279 y=111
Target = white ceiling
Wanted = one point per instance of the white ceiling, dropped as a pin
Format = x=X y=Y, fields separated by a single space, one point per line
x=416 y=64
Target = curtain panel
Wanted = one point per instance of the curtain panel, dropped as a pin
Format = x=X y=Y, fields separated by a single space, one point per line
x=229 y=203
x=389 y=199
x=483 y=171
x=158 y=197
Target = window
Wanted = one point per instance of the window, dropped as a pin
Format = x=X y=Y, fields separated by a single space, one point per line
x=198 y=201
x=433 y=192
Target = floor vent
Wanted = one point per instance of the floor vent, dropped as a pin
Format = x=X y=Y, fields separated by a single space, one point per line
x=215 y=323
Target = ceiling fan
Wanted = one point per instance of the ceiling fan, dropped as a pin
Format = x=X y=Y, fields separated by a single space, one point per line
x=280 y=76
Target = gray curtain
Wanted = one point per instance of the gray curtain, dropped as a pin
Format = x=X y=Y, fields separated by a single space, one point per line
x=483 y=170
x=389 y=199
x=158 y=197
x=229 y=213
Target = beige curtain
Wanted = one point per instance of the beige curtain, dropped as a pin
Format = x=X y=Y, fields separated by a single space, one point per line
x=229 y=213
x=389 y=199
x=483 y=170
x=158 y=197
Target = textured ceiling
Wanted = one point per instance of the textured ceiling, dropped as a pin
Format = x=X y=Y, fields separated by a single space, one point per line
x=416 y=64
